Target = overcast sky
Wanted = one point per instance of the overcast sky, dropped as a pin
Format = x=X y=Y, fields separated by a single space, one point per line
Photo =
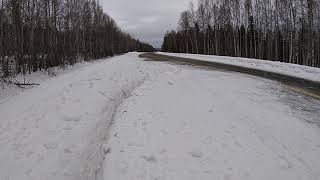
x=146 y=20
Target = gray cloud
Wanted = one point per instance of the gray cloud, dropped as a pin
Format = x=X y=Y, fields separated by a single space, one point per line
x=146 y=20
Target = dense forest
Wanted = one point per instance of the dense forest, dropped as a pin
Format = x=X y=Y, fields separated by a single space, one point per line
x=279 y=30
x=38 y=34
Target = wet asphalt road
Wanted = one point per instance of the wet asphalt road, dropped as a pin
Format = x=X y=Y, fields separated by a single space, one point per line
x=304 y=107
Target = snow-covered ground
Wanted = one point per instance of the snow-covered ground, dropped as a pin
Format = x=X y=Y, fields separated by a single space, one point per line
x=9 y=90
x=55 y=131
x=125 y=118
x=194 y=124
x=309 y=73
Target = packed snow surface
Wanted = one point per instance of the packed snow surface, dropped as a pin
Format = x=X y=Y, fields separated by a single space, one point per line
x=195 y=124
x=55 y=131
x=305 y=72
x=125 y=118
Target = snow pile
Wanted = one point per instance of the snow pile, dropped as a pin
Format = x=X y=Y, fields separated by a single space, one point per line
x=56 y=130
x=305 y=72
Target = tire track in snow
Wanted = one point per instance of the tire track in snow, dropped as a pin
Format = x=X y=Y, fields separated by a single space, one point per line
x=103 y=149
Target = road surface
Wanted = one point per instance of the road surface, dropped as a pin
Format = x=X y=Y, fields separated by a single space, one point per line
x=191 y=123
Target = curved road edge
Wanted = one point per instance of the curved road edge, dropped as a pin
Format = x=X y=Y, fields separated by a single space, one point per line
x=296 y=84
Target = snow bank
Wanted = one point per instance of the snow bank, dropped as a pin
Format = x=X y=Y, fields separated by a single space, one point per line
x=8 y=90
x=56 y=130
x=305 y=72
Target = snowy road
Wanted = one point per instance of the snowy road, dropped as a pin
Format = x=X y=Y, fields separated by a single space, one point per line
x=196 y=124
x=125 y=118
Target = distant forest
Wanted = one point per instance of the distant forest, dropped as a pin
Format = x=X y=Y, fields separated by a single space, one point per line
x=38 y=34
x=279 y=30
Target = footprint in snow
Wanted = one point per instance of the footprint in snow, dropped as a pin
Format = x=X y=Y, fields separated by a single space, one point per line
x=63 y=100
x=106 y=149
x=67 y=128
x=208 y=140
x=163 y=151
x=196 y=154
x=28 y=172
x=227 y=177
x=67 y=151
x=30 y=153
x=164 y=132
x=150 y=159
x=50 y=146
x=123 y=167
x=69 y=119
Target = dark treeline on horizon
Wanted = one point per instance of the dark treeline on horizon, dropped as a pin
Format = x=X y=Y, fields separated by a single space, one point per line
x=38 y=34
x=280 y=30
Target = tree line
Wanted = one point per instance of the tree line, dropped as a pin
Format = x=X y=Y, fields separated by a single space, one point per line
x=38 y=34
x=279 y=30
